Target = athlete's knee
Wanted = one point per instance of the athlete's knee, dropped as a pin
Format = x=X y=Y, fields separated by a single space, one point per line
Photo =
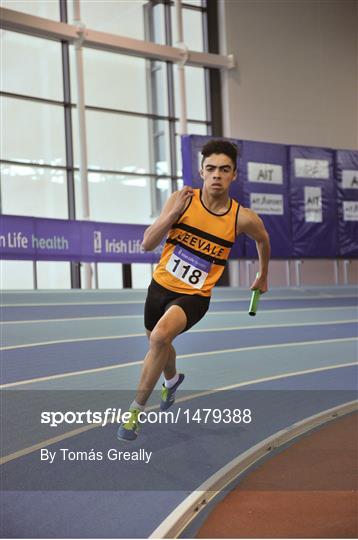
x=160 y=338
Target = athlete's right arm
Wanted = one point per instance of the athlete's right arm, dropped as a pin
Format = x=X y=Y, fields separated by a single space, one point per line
x=174 y=206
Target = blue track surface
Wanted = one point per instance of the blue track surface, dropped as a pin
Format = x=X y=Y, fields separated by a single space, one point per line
x=21 y=364
x=184 y=458
x=26 y=313
x=127 y=499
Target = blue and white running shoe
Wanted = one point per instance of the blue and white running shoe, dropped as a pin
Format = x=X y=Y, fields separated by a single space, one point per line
x=168 y=394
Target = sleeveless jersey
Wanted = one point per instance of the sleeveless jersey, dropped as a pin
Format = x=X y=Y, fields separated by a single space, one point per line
x=197 y=248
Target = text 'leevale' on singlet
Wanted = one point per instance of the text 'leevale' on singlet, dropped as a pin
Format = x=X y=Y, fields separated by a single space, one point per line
x=197 y=248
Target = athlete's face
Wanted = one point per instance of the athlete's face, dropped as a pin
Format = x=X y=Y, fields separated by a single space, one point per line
x=217 y=172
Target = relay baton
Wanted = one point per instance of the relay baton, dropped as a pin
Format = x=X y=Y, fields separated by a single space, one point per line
x=255 y=297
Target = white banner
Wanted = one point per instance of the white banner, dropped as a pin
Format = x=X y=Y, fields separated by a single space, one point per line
x=266 y=173
x=349 y=179
x=350 y=210
x=312 y=168
x=313 y=204
x=266 y=203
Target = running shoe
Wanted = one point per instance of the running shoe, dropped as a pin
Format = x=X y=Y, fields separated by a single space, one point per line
x=168 y=394
x=128 y=431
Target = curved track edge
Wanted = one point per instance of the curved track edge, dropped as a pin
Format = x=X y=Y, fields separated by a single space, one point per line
x=189 y=509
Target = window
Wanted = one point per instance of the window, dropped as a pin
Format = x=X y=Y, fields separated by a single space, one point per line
x=28 y=190
x=195 y=92
x=53 y=275
x=25 y=60
x=49 y=9
x=16 y=275
x=132 y=111
x=109 y=276
x=124 y=18
x=194 y=129
x=113 y=81
x=192 y=28
x=115 y=197
x=34 y=132
x=116 y=142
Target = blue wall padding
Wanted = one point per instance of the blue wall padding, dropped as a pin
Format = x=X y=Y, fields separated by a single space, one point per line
x=311 y=213
x=313 y=202
x=263 y=174
x=347 y=192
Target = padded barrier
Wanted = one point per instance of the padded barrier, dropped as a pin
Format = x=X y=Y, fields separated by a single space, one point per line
x=307 y=197
x=263 y=173
x=313 y=204
x=347 y=191
x=319 y=193
x=42 y=239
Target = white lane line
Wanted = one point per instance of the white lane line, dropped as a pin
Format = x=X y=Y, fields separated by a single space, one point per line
x=121 y=302
x=195 y=330
x=180 y=356
x=69 y=434
x=101 y=317
x=94 y=303
x=131 y=292
x=209 y=313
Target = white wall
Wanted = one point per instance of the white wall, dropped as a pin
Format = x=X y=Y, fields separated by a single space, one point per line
x=296 y=79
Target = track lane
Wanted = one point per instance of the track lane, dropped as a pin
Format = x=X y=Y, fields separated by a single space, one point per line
x=50 y=297
x=62 y=510
x=22 y=364
x=78 y=311
x=23 y=333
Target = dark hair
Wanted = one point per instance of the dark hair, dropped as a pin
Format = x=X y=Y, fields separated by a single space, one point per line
x=220 y=146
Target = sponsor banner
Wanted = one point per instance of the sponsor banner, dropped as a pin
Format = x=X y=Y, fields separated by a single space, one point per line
x=346 y=174
x=263 y=173
x=313 y=204
x=267 y=203
x=312 y=168
x=350 y=210
x=266 y=173
x=68 y=240
x=350 y=179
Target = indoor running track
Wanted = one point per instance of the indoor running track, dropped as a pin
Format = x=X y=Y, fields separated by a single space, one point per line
x=297 y=357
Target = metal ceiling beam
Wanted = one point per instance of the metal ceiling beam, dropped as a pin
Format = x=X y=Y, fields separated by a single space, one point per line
x=30 y=24
x=38 y=26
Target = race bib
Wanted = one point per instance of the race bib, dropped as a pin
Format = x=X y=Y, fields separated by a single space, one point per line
x=189 y=268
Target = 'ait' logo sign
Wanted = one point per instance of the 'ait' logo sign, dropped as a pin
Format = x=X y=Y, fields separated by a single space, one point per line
x=313 y=204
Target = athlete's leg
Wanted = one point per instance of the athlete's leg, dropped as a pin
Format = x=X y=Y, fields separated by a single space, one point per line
x=170 y=369
x=161 y=354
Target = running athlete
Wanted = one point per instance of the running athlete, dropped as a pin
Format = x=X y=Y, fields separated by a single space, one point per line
x=201 y=226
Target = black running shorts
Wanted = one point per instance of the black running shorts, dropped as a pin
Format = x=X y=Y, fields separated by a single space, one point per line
x=159 y=299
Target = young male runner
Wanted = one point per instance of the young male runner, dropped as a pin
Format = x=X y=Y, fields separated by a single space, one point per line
x=201 y=227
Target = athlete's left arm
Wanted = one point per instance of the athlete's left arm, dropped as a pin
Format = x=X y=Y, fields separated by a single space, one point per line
x=251 y=224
